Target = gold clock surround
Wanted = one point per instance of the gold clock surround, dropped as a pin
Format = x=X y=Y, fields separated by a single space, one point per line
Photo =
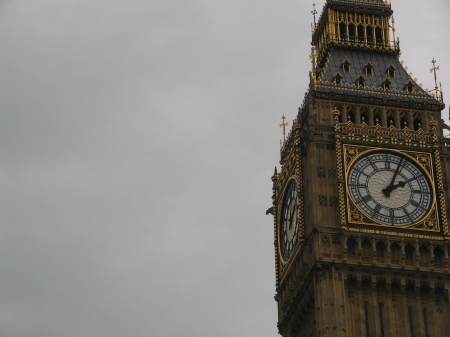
x=424 y=160
x=284 y=261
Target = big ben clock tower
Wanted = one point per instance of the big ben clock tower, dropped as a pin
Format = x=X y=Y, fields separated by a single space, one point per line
x=360 y=220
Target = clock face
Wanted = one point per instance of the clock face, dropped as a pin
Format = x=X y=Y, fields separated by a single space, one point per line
x=390 y=188
x=289 y=221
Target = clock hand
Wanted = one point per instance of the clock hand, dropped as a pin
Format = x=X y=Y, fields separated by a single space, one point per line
x=387 y=191
x=400 y=184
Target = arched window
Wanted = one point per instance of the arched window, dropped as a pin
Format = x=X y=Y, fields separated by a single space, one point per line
x=368 y=69
x=369 y=32
x=378 y=36
x=379 y=248
x=351 y=246
x=438 y=254
x=360 y=82
x=409 y=87
x=351 y=114
x=395 y=252
x=364 y=114
x=337 y=79
x=377 y=116
x=343 y=31
x=404 y=119
x=417 y=122
x=351 y=32
x=390 y=115
x=390 y=71
x=409 y=254
x=360 y=30
x=366 y=249
x=386 y=84
x=424 y=255
x=346 y=66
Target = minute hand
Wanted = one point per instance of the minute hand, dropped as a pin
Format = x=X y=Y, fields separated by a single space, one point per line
x=387 y=191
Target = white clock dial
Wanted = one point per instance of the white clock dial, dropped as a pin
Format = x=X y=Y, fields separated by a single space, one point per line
x=390 y=188
x=289 y=221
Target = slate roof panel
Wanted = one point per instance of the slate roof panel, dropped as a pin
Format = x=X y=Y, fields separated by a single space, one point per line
x=380 y=62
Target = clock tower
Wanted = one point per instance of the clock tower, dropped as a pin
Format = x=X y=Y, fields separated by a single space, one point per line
x=360 y=203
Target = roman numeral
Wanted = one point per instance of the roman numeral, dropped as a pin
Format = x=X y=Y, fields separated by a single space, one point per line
x=420 y=192
x=367 y=198
x=372 y=164
x=417 y=205
x=387 y=164
x=377 y=209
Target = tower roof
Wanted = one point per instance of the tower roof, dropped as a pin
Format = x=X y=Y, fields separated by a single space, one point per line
x=373 y=83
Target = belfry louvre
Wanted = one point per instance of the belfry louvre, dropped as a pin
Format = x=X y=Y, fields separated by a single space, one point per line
x=360 y=203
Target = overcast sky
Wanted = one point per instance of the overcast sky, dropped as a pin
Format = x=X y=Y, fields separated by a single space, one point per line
x=137 y=142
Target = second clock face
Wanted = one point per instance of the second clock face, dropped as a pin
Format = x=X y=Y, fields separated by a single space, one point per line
x=390 y=188
x=289 y=221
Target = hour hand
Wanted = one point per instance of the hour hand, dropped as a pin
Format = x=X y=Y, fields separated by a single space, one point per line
x=387 y=191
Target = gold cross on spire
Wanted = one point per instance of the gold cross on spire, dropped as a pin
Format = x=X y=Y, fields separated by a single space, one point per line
x=434 y=69
x=283 y=125
x=314 y=12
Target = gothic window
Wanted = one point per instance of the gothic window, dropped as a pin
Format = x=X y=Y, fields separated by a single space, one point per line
x=346 y=66
x=409 y=87
x=379 y=248
x=351 y=114
x=424 y=255
x=395 y=252
x=377 y=116
x=360 y=82
x=404 y=119
x=369 y=69
x=366 y=248
x=351 y=32
x=437 y=256
x=343 y=31
x=390 y=71
x=417 y=123
x=409 y=253
x=364 y=114
x=386 y=84
x=351 y=246
x=360 y=31
x=378 y=35
x=337 y=79
x=369 y=31
x=391 y=117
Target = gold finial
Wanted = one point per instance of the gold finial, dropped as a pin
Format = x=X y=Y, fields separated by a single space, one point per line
x=313 y=58
x=336 y=112
x=391 y=122
x=393 y=27
x=433 y=70
x=314 y=12
x=283 y=125
x=362 y=119
x=433 y=122
x=405 y=124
